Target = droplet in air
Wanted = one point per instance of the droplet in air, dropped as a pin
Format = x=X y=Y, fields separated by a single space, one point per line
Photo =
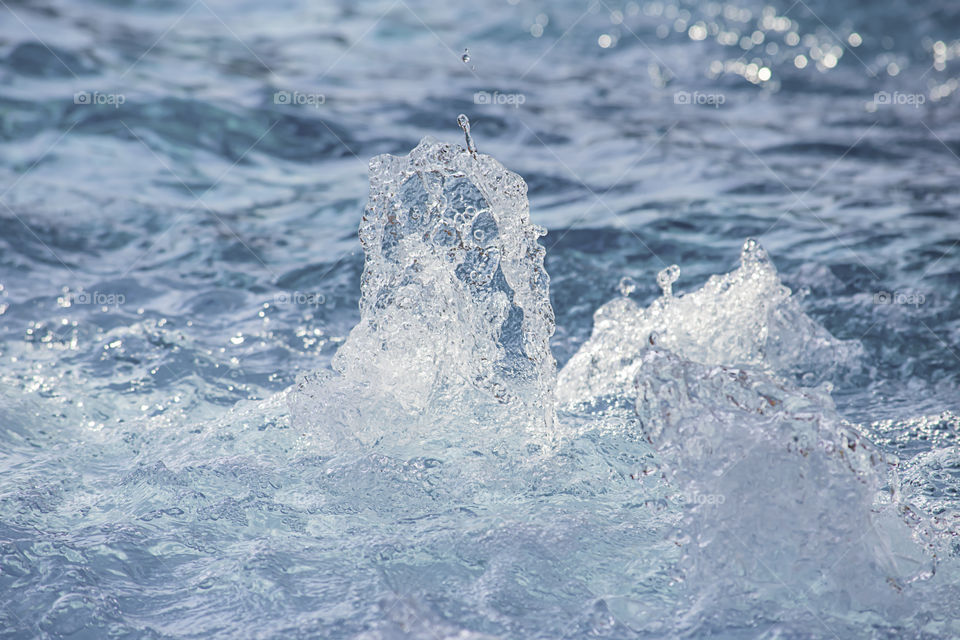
x=466 y=55
x=464 y=123
x=627 y=286
x=666 y=278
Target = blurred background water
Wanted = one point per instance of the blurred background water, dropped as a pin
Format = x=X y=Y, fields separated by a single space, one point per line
x=180 y=189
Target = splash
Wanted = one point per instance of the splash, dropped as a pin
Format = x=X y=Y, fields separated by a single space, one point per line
x=781 y=498
x=455 y=309
x=771 y=499
x=743 y=318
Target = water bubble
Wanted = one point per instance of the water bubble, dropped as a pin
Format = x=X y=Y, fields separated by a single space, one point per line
x=466 y=55
x=627 y=286
x=464 y=123
x=666 y=278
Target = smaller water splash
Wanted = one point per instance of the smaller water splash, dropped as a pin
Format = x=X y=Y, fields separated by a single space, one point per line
x=464 y=123
x=466 y=56
x=820 y=520
x=743 y=318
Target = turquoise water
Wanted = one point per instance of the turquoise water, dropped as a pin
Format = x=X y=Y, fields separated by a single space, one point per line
x=181 y=188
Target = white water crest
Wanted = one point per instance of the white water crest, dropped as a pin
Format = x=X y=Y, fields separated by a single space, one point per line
x=743 y=318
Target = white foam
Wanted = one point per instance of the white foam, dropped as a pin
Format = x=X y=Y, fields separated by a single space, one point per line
x=743 y=318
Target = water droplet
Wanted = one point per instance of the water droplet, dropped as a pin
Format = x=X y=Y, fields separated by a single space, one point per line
x=466 y=55
x=627 y=286
x=464 y=123
x=752 y=252
x=666 y=278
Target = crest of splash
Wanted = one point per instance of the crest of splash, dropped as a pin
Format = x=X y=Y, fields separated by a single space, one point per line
x=455 y=309
x=780 y=496
x=743 y=318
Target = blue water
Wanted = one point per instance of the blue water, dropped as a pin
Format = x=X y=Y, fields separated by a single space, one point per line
x=181 y=186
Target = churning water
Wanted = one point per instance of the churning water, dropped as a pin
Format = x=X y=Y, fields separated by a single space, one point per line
x=662 y=341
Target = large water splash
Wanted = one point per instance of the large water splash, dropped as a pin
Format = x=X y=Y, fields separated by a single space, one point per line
x=780 y=498
x=455 y=310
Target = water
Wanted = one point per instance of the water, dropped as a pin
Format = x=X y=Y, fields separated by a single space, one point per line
x=202 y=436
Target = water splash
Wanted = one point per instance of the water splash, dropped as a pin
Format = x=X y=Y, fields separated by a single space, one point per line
x=746 y=317
x=455 y=310
x=781 y=496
